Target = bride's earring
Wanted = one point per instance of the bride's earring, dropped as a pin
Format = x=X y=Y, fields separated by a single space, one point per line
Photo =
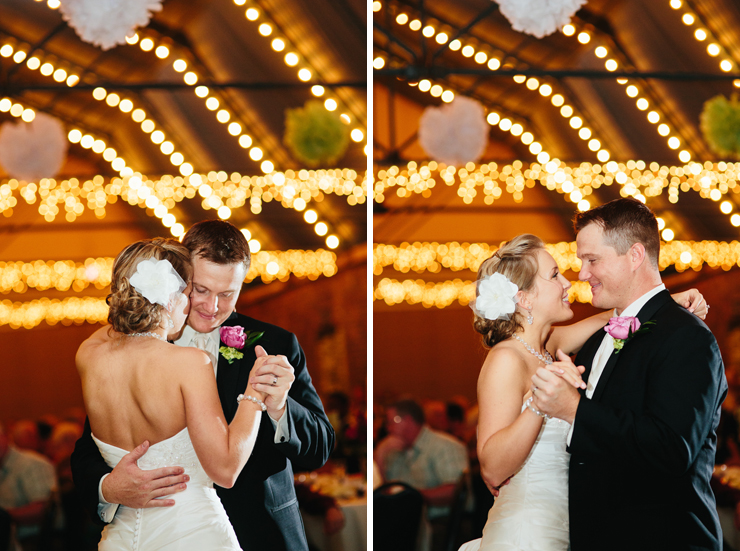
x=530 y=317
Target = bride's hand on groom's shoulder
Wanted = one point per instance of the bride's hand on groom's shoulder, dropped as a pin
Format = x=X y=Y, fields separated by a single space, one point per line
x=567 y=370
x=693 y=301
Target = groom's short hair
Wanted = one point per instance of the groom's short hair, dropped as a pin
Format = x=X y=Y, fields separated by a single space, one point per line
x=625 y=222
x=219 y=242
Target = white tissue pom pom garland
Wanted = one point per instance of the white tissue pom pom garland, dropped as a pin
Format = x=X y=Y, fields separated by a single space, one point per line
x=538 y=17
x=455 y=133
x=107 y=23
x=33 y=150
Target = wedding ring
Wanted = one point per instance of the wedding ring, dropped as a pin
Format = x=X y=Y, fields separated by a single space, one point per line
x=274 y=380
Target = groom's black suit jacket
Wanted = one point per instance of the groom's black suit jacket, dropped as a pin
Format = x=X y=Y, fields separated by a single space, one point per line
x=262 y=504
x=642 y=449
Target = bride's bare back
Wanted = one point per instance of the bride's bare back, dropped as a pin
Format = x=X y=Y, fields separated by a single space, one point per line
x=133 y=386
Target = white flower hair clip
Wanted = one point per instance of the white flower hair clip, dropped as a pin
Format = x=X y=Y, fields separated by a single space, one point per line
x=496 y=297
x=156 y=280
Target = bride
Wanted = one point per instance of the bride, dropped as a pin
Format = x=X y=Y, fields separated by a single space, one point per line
x=520 y=295
x=137 y=386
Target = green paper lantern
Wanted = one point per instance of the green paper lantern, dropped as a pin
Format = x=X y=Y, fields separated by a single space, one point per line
x=315 y=135
x=720 y=124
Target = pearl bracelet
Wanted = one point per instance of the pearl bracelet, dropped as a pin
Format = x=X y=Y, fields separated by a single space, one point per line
x=533 y=409
x=257 y=401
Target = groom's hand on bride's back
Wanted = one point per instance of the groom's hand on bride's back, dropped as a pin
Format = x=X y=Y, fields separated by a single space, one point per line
x=130 y=486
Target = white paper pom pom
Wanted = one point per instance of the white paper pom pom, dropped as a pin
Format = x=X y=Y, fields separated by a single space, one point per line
x=455 y=133
x=34 y=150
x=106 y=23
x=539 y=17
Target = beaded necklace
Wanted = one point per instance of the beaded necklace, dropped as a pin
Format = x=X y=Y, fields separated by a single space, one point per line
x=546 y=359
x=148 y=334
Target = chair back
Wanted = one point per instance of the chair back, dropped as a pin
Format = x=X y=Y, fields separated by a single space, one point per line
x=47 y=536
x=483 y=500
x=457 y=511
x=6 y=529
x=397 y=510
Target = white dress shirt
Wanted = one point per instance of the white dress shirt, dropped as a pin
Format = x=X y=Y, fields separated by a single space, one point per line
x=607 y=345
x=209 y=343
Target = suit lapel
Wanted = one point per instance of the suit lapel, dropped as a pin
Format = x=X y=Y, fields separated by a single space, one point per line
x=233 y=378
x=608 y=368
x=645 y=314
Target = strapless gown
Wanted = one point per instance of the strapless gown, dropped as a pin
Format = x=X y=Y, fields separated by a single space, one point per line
x=196 y=522
x=531 y=512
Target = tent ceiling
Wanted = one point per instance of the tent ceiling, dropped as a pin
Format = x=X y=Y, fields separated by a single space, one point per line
x=223 y=47
x=646 y=37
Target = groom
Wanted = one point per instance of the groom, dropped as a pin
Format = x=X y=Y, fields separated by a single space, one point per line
x=643 y=433
x=262 y=504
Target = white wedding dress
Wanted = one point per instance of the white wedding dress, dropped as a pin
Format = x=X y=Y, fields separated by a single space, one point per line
x=531 y=512
x=196 y=522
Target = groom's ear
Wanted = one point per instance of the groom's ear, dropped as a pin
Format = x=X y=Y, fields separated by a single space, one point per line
x=637 y=255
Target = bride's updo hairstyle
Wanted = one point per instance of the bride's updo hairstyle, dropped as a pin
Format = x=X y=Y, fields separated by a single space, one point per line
x=517 y=260
x=129 y=311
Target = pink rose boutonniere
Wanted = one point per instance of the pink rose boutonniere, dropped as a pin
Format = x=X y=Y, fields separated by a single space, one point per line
x=623 y=328
x=235 y=339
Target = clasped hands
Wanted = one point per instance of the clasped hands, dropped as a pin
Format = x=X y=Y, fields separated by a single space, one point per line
x=272 y=377
x=555 y=388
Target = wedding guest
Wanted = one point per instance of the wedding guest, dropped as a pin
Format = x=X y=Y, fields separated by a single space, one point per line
x=728 y=431
x=429 y=460
x=435 y=412
x=25 y=435
x=27 y=481
x=350 y=427
x=377 y=476
x=728 y=442
x=75 y=521
x=46 y=426
x=461 y=401
x=75 y=414
x=379 y=428
x=456 y=425
x=62 y=441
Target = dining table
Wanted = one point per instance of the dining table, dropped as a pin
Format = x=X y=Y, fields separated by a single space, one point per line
x=725 y=484
x=350 y=493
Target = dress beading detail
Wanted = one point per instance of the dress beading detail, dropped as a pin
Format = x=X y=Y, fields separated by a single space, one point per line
x=176 y=452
